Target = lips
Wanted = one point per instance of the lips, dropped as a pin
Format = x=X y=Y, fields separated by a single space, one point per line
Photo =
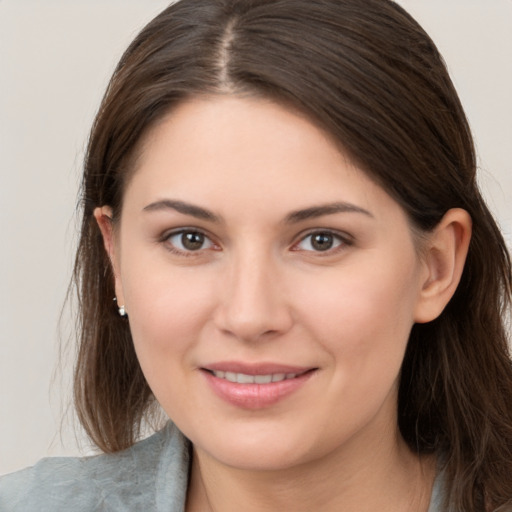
x=255 y=386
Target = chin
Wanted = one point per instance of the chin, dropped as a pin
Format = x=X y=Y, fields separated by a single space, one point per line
x=257 y=458
x=257 y=448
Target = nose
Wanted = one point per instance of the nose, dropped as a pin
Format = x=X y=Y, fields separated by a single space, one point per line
x=253 y=304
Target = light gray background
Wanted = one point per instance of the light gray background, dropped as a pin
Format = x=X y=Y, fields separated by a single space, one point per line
x=55 y=59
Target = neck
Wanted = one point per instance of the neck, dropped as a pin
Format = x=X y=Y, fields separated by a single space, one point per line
x=384 y=476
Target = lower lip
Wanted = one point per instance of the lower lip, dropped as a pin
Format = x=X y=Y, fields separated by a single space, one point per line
x=255 y=396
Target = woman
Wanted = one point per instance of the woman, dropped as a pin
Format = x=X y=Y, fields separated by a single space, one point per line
x=281 y=197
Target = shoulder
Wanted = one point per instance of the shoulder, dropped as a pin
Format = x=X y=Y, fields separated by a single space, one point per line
x=152 y=471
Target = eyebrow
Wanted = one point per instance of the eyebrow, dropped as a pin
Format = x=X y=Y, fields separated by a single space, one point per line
x=291 y=218
x=326 y=209
x=182 y=207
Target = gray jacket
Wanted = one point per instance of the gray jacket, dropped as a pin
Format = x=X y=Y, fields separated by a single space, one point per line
x=151 y=476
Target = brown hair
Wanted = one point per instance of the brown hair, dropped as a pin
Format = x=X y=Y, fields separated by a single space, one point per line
x=365 y=71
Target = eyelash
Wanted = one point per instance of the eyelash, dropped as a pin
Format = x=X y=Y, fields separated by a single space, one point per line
x=342 y=240
x=166 y=239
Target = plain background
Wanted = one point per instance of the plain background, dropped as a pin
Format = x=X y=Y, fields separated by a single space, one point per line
x=55 y=60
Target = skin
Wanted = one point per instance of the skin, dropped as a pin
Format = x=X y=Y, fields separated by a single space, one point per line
x=258 y=290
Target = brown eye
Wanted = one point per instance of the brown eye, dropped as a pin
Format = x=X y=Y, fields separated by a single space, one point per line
x=192 y=241
x=321 y=241
x=189 y=241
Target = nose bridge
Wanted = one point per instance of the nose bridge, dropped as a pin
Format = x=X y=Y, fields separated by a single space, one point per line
x=253 y=302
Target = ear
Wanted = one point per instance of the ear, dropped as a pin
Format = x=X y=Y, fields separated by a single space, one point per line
x=103 y=216
x=444 y=256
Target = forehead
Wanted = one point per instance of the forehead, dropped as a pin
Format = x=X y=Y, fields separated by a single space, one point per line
x=251 y=153
x=252 y=127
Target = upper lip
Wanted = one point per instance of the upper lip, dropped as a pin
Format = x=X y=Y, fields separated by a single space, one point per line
x=255 y=368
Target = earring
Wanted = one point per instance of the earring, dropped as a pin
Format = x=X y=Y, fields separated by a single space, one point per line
x=121 y=309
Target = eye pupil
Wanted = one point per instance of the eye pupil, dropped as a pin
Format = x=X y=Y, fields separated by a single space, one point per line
x=192 y=241
x=322 y=241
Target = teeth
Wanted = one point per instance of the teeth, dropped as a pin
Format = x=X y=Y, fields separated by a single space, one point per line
x=242 y=378
x=230 y=376
x=263 y=379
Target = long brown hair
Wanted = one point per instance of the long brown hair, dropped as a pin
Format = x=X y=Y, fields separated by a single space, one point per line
x=366 y=72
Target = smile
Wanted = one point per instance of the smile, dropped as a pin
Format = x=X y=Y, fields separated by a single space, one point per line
x=255 y=386
x=243 y=378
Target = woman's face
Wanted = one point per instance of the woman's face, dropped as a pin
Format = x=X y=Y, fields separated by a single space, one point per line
x=251 y=249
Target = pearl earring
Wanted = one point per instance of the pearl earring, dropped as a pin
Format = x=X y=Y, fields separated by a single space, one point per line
x=121 y=309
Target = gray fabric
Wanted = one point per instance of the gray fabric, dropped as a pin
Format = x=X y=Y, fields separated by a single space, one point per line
x=436 y=500
x=151 y=476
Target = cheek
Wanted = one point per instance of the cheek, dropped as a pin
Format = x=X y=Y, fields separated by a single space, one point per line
x=168 y=309
x=363 y=325
x=365 y=317
x=168 y=319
